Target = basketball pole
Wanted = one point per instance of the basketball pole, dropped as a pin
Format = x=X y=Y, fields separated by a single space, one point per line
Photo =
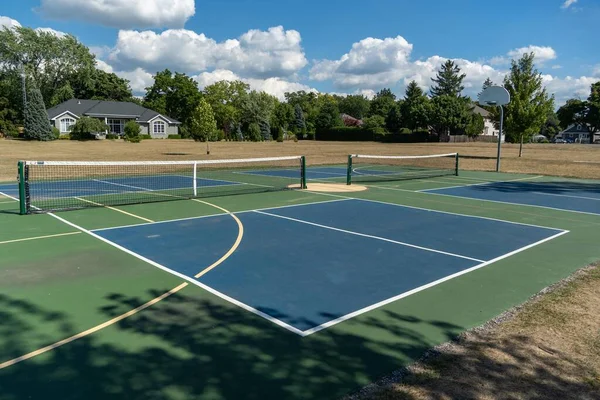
x=500 y=138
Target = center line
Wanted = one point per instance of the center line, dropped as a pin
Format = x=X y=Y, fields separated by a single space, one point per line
x=370 y=236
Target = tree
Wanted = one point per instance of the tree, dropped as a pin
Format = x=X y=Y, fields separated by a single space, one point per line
x=393 y=120
x=106 y=86
x=37 y=123
x=62 y=94
x=551 y=127
x=283 y=116
x=530 y=104
x=85 y=127
x=375 y=124
x=475 y=125
x=329 y=114
x=486 y=84
x=254 y=132
x=416 y=108
x=202 y=124
x=132 y=131
x=382 y=102
x=356 y=106
x=299 y=126
x=574 y=111
x=450 y=114
x=448 y=81
x=257 y=108
x=226 y=99
x=592 y=117
x=50 y=61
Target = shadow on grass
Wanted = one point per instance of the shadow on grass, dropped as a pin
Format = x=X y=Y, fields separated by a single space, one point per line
x=195 y=348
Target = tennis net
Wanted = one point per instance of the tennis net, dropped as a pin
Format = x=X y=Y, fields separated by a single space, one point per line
x=372 y=168
x=46 y=186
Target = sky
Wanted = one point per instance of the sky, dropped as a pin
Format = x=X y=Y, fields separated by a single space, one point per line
x=344 y=47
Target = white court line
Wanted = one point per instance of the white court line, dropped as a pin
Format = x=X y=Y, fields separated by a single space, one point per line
x=370 y=236
x=569 y=196
x=484 y=183
x=10 y=197
x=513 y=204
x=187 y=278
x=421 y=288
x=7 y=202
x=114 y=209
x=434 y=211
x=221 y=214
x=39 y=237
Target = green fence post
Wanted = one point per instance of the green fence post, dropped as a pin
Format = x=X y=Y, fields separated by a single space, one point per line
x=349 y=171
x=22 y=197
x=456 y=172
x=303 y=172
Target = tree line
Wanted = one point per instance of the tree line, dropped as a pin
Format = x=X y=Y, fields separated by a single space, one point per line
x=55 y=68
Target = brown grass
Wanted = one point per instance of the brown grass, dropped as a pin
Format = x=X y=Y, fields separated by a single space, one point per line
x=549 y=349
x=580 y=161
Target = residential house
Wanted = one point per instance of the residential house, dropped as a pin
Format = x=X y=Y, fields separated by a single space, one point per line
x=349 y=120
x=489 y=129
x=578 y=133
x=115 y=114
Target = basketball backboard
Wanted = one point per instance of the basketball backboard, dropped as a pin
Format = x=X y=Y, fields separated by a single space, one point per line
x=494 y=96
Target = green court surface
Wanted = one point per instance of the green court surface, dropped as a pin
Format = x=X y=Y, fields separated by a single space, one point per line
x=192 y=344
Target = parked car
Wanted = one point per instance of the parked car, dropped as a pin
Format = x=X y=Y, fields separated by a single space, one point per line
x=560 y=141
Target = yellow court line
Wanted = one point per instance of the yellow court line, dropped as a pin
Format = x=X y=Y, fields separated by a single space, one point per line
x=115 y=209
x=137 y=309
x=39 y=237
x=92 y=330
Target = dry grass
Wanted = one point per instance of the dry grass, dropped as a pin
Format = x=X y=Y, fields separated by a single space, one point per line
x=548 y=349
x=580 y=161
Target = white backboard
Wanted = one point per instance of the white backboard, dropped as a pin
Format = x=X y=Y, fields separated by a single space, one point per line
x=494 y=96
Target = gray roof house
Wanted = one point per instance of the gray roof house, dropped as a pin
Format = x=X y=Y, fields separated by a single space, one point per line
x=579 y=133
x=115 y=114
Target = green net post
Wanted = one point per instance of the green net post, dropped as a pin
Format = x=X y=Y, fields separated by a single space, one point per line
x=22 y=183
x=349 y=171
x=303 y=172
x=456 y=170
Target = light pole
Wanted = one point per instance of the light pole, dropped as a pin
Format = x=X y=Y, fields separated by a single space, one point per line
x=24 y=89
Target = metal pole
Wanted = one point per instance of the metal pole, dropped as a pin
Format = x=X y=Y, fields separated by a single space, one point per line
x=500 y=139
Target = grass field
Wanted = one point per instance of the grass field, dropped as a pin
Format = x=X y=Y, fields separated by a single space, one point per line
x=83 y=318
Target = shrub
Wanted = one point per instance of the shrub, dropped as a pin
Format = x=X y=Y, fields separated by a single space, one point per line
x=112 y=136
x=280 y=134
x=220 y=135
x=132 y=132
x=64 y=137
x=295 y=139
x=85 y=128
x=55 y=133
x=174 y=136
x=145 y=137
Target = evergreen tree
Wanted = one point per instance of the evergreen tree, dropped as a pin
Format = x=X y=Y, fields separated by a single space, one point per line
x=416 y=108
x=529 y=104
x=265 y=129
x=37 y=123
x=448 y=81
x=592 y=117
x=486 y=84
x=299 y=121
x=393 y=120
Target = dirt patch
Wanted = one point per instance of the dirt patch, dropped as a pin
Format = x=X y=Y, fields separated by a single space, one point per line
x=548 y=348
x=570 y=160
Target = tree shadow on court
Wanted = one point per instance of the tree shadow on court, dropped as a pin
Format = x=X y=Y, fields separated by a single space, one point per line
x=555 y=187
x=190 y=347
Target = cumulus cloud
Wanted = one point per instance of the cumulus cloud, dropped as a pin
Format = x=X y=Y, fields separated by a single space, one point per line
x=122 y=13
x=52 y=32
x=274 y=86
x=7 y=22
x=138 y=79
x=569 y=87
x=542 y=53
x=256 y=54
x=568 y=3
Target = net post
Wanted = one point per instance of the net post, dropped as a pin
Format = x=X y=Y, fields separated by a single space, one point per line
x=349 y=171
x=195 y=182
x=303 y=172
x=456 y=168
x=22 y=198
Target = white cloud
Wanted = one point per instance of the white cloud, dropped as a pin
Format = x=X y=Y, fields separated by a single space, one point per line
x=256 y=54
x=569 y=87
x=568 y=3
x=596 y=71
x=542 y=53
x=122 y=13
x=557 y=67
x=7 y=22
x=138 y=79
x=51 y=31
x=274 y=86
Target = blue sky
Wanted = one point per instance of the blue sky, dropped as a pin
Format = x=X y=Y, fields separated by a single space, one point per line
x=335 y=46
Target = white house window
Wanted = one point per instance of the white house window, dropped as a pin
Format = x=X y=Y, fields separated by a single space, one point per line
x=65 y=124
x=158 y=127
x=115 y=126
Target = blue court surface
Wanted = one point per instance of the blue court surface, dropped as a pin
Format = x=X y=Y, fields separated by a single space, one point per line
x=318 y=173
x=93 y=187
x=307 y=267
x=569 y=196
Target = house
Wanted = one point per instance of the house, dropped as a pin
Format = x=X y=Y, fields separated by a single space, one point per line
x=578 y=133
x=349 y=120
x=489 y=129
x=114 y=114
